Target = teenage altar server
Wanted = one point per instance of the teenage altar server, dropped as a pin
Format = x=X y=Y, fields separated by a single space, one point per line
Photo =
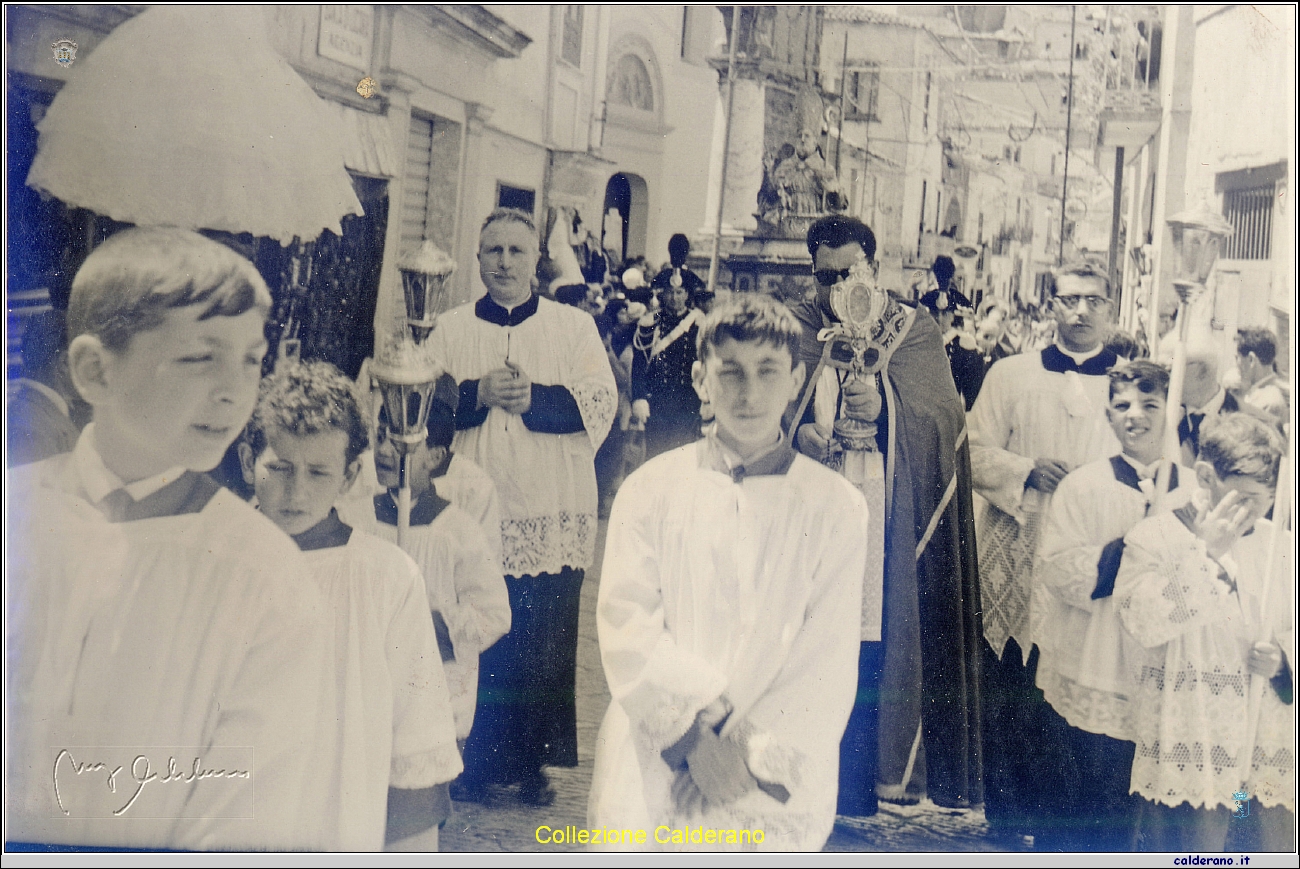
x=462 y=576
x=1088 y=665
x=729 y=611
x=155 y=619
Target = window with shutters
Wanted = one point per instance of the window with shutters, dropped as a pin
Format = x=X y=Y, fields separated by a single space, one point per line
x=1250 y=211
x=862 y=94
x=429 y=193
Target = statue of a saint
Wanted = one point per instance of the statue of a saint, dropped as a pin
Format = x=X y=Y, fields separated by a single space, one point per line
x=798 y=187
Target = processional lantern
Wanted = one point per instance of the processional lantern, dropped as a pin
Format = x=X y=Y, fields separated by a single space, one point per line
x=405 y=370
x=1198 y=238
x=424 y=285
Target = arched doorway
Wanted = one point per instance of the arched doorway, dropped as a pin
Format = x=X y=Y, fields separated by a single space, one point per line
x=626 y=214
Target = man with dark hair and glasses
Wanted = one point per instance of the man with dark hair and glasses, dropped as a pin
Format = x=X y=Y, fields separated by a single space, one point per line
x=1038 y=417
x=922 y=651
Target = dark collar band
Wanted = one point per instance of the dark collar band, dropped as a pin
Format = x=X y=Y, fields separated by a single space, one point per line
x=486 y=309
x=1057 y=362
x=325 y=534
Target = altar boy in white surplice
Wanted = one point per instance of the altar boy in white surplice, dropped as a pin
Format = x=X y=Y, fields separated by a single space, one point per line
x=167 y=656
x=1088 y=664
x=730 y=602
x=397 y=747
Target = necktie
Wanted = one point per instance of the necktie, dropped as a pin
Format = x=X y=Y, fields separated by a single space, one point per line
x=1189 y=431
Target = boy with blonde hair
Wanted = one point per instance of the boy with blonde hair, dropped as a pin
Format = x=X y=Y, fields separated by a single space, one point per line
x=159 y=628
x=730 y=602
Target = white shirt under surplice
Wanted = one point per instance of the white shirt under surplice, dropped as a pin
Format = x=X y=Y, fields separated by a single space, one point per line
x=196 y=637
x=393 y=709
x=748 y=589
x=1088 y=664
x=546 y=482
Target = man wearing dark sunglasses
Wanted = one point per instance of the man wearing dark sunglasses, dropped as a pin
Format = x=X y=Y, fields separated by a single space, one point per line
x=929 y=657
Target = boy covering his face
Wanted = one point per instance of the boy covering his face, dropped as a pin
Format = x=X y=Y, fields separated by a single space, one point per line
x=1191 y=589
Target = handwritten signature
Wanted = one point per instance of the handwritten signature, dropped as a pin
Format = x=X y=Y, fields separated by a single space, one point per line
x=141 y=774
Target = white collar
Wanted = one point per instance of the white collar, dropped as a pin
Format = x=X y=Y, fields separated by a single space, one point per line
x=49 y=392
x=1080 y=358
x=1145 y=472
x=98 y=481
x=1266 y=380
x=1212 y=406
x=725 y=459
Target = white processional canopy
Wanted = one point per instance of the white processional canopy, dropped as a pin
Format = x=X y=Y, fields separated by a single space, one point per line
x=187 y=116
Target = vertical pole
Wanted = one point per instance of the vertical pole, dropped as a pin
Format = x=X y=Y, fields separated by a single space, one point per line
x=1069 y=113
x=403 y=500
x=726 y=149
x=844 y=75
x=1114 y=267
x=1173 y=407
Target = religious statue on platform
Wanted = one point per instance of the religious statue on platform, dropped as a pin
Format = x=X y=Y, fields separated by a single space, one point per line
x=798 y=187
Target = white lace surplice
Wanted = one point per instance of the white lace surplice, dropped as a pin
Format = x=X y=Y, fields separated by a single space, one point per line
x=749 y=589
x=1191 y=706
x=546 y=482
x=1088 y=664
x=392 y=697
x=1025 y=413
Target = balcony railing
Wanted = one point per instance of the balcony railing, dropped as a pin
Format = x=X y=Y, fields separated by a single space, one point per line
x=1133 y=62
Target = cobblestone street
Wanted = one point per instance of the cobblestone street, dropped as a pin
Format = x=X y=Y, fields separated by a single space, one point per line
x=502 y=824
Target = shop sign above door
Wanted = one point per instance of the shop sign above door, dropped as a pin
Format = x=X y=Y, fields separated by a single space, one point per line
x=346 y=34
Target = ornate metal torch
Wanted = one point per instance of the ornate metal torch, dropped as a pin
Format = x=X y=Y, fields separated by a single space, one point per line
x=404 y=369
x=1198 y=236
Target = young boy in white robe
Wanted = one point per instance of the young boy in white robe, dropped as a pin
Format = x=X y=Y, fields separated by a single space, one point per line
x=1192 y=590
x=300 y=454
x=462 y=574
x=1087 y=663
x=455 y=478
x=167 y=656
x=729 y=610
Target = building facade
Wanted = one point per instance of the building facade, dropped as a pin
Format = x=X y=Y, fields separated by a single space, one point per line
x=566 y=111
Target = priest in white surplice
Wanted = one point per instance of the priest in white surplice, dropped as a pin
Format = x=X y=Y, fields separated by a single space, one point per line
x=537 y=397
x=1038 y=416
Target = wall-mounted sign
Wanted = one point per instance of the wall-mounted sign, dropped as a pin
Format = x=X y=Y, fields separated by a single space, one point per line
x=347 y=34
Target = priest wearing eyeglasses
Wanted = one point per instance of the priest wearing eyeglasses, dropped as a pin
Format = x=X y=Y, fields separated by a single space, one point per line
x=915 y=729
x=1038 y=417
